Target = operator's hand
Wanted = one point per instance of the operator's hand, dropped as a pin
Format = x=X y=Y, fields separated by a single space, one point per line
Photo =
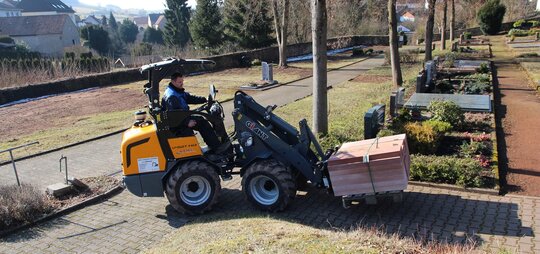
x=192 y=123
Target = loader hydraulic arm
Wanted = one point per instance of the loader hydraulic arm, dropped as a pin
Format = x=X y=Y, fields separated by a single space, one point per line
x=275 y=136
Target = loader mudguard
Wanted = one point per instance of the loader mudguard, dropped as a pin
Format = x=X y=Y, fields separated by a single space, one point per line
x=254 y=159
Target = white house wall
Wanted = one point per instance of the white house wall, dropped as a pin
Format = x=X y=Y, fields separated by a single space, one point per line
x=52 y=44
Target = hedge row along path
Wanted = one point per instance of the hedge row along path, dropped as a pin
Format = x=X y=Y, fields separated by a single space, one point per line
x=519 y=112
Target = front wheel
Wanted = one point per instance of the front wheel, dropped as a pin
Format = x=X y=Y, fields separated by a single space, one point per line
x=268 y=185
x=193 y=187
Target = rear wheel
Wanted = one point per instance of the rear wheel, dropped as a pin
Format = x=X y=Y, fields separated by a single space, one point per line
x=269 y=185
x=193 y=187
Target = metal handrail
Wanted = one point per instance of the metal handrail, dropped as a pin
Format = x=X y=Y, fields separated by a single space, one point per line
x=10 y=150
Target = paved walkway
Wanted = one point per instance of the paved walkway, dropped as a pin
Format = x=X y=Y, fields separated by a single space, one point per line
x=128 y=224
x=102 y=157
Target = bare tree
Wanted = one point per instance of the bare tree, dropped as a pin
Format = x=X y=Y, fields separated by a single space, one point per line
x=281 y=28
x=452 y=20
x=318 y=34
x=443 y=25
x=397 y=79
x=429 y=30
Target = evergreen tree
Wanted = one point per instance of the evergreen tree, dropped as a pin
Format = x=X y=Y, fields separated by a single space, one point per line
x=112 y=22
x=176 y=30
x=247 y=23
x=205 y=27
x=490 y=17
x=128 y=31
x=103 y=21
x=97 y=38
x=152 y=35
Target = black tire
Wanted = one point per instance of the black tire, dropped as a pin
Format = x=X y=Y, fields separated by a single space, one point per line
x=269 y=185
x=200 y=184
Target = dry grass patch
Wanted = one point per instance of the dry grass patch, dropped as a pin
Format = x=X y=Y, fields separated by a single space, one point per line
x=20 y=205
x=267 y=235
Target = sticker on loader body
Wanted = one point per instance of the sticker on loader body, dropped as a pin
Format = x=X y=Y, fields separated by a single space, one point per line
x=148 y=164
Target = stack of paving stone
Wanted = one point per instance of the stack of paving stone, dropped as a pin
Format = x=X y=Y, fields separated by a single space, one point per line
x=370 y=166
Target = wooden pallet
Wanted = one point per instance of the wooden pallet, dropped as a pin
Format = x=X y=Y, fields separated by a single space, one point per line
x=370 y=166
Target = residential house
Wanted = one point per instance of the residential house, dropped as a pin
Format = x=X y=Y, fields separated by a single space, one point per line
x=47 y=34
x=141 y=22
x=91 y=20
x=45 y=7
x=538 y=5
x=9 y=9
x=160 y=23
x=406 y=16
x=154 y=20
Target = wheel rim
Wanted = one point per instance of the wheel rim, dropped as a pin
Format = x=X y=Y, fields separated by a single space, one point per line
x=195 y=190
x=264 y=190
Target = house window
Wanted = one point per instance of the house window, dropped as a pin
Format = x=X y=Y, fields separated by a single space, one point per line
x=73 y=42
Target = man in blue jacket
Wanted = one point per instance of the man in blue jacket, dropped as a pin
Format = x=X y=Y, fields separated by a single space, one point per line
x=176 y=98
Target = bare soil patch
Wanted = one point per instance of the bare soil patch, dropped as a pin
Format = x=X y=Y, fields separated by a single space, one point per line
x=366 y=78
x=61 y=110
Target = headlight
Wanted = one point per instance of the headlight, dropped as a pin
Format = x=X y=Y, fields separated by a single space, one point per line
x=249 y=142
x=246 y=139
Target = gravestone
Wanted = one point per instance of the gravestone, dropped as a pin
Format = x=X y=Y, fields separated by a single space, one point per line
x=373 y=121
x=267 y=72
x=421 y=82
x=397 y=100
x=431 y=72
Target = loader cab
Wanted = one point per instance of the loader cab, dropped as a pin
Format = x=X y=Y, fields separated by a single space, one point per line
x=153 y=144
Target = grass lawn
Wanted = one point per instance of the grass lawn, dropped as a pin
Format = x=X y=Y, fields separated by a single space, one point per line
x=50 y=138
x=532 y=68
x=347 y=104
x=267 y=235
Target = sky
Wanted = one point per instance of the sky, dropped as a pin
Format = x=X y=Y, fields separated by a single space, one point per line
x=132 y=4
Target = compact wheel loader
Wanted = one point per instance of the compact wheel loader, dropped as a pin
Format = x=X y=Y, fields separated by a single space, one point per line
x=272 y=157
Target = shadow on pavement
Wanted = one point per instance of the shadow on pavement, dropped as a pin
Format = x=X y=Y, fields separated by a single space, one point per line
x=430 y=217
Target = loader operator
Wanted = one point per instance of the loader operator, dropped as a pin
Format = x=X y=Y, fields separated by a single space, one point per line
x=176 y=98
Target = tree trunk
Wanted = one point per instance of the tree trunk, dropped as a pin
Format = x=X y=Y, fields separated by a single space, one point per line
x=397 y=79
x=281 y=29
x=429 y=30
x=443 y=32
x=318 y=34
x=452 y=20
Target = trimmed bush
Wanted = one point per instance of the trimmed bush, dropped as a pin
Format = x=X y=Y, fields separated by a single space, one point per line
x=425 y=137
x=476 y=87
x=358 y=52
x=473 y=148
x=256 y=62
x=467 y=35
x=490 y=17
x=444 y=86
x=446 y=111
x=518 y=23
x=446 y=169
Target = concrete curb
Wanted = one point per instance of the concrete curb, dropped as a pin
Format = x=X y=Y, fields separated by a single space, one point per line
x=69 y=209
x=491 y=192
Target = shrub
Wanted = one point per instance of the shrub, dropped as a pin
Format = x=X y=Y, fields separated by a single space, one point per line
x=445 y=169
x=476 y=88
x=398 y=122
x=358 y=52
x=520 y=33
x=490 y=17
x=385 y=133
x=449 y=59
x=369 y=51
x=534 y=23
x=256 y=62
x=407 y=57
x=424 y=138
x=467 y=35
x=518 y=23
x=484 y=68
x=5 y=39
x=446 y=111
x=21 y=204
x=473 y=148
x=444 y=86
x=481 y=77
